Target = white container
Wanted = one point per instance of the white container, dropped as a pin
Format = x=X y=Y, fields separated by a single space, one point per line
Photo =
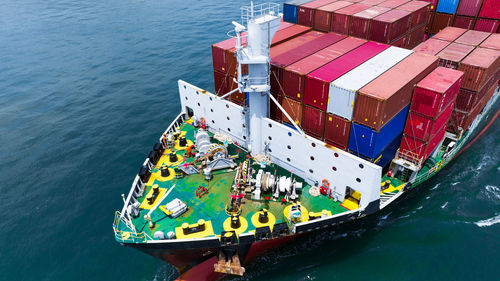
x=342 y=92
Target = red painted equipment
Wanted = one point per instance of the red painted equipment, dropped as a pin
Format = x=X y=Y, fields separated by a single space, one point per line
x=201 y=191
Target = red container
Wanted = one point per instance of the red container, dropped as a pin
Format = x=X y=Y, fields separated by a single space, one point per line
x=380 y=100
x=318 y=82
x=313 y=121
x=492 y=42
x=433 y=4
x=490 y=9
x=285 y=59
x=283 y=48
x=401 y=42
x=274 y=111
x=323 y=15
x=479 y=66
x=293 y=77
x=220 y=82
x=472 y=37
x=449 y=34
x=440 y=22
x=469 y=7
x=415 y=37
x=423 y=127
x=305 y=12
x=372 y=2
x=337 y=130
x=464 y=22
x=342 y=17
x=431 y=46
x=452 y=55
x=420 y=149
x=389 y=26
x=361 y=22
x=467 y=99
x=293 y=108
x=419 y=12
x=487 y=25
x=436 y=91
x=393 y=3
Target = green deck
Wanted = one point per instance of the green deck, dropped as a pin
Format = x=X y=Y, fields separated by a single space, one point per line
x=211 y=207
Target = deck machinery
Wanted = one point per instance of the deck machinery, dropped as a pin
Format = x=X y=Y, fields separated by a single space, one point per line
x=225 y=182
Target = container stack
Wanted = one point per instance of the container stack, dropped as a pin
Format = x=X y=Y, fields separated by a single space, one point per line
x=475 y=53
x=481 y=15
x=399 y=23
x=430 y=110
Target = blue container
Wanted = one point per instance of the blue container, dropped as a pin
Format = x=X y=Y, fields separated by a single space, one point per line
x=388 y=153
x=368 y=143
x=290 y=10
x=447 y=6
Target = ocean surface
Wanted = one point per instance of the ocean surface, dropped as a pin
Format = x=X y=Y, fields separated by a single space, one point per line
x=87 y=87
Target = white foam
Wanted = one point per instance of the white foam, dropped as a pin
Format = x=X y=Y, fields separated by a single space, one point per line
x=488 y=222
x=493 y=191
x=444 y=205
x=434 y=187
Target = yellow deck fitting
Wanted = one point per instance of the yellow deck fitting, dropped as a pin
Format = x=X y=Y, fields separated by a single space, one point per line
x=319 y=214
x=178 y=147
x=239 y=230
x=157 y=175
x=391 y=188
x=356 y=195
x=350 y=203
x=145 y=204
x=257 y=223
x=305 y=213
x=125 y=235
x=164 y=160
x=208 y=230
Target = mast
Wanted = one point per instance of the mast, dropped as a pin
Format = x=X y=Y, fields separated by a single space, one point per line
x=262 y=23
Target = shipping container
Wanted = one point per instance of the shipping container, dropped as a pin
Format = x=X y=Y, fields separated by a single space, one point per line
x=419 y=12
x=305 y=15
x=452 y=55
x=285 y=59
x=389 y=26
x=323 y=15
x=415 y=37
x=342 y=17
x=385 y=157
x=380 y=100
x=487 y=25
x=490 y=9
x=423 y=127
x=431 y=46
x=400 y=42
x=370 y=143
x=433 y=4
x=293 y=77
x=274 y=111
x=447 y=6
x=313 y=121
x=293 y=108
x=290 y=10
x=342 y=92
x=464 y=22
x=412 y=148
x=393 y=3
x=436 y=91
x=361 y=22
x=337 y=130
x=492 y=42
x=283 y=48
x=449 y=34
x=467 y=99
x=220 y=82
x=372 y=2
x=440 y=22
x=469 y=7
x=472 y=37
x=428 y=27
x=479 y=66
x=318 y=82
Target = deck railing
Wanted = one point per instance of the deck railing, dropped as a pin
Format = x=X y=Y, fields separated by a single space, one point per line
x=128 y=234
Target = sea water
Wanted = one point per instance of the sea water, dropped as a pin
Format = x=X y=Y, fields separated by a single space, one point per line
x=86 y=89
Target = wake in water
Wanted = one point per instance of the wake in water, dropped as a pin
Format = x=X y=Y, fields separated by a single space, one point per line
x=488 y=222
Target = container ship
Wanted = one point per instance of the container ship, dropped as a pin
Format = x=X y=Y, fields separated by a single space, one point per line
x=323 y=112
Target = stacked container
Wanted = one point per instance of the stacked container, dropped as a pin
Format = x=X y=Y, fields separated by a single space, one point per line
x=324 y=15
x=290 y=10
x=430 y=110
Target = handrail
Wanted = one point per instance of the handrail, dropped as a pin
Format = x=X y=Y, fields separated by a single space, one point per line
x=131 y=235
